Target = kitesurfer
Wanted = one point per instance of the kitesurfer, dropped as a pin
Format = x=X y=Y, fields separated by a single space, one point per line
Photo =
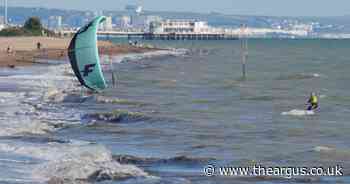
x=313 y=102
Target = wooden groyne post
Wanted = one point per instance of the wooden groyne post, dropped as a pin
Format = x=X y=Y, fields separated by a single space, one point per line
x=244 y=49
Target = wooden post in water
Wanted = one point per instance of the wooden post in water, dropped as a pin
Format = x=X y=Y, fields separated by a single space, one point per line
x=244 y=50
x=114 y=76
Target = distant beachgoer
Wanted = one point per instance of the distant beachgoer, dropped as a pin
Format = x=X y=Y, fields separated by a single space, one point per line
x=38 y=45
x=11 y=66
x=9 y=50
x=313 y=102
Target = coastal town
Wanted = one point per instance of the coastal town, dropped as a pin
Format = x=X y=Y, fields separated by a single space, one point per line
x=134 y=20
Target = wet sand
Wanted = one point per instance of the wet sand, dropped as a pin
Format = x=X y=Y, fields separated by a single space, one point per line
x=23 y=50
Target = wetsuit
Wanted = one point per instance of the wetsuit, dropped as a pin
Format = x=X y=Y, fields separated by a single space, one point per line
x=313 y=101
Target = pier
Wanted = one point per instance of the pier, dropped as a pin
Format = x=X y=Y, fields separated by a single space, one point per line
x=188 y=36
x=170 y=29
x=160 y=36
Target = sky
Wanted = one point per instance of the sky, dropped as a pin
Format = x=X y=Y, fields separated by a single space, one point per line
x=239 y=7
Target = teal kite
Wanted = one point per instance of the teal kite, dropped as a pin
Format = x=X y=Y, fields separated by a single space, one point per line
x=84 y=57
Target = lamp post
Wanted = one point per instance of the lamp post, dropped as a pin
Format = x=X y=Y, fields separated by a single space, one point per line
x=6 y=13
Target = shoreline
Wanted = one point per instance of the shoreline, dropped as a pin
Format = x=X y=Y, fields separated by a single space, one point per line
x=24 y=52
x=33 y=112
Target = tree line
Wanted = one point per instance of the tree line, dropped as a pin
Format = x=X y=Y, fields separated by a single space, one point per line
x=31 y=27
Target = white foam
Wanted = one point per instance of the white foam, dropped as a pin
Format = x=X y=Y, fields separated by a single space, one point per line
x=158 y=53
x=323 y=149
x=298 y=112
x=80 y=169
x=24 y=125
x=35 y=112
x=57 y=151
x=73 y=161
x=22 y=110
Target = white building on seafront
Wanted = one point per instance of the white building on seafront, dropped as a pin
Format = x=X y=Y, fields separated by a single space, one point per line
x=194 y=27
x=180 y=26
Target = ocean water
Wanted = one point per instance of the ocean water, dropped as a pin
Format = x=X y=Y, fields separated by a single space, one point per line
x=174 y=112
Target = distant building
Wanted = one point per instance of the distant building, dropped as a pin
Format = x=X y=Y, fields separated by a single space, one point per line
x=59 y=22
x=55 y=22
x=137 y=20
x=108 y=25
x=149 y=20
x=306 y=27
x=153 y=18
x=125 y=22
x=97 y=13
x=139 y=10
x=201 y=27
x=2 y=22
x=134 y=9
x=179 y=26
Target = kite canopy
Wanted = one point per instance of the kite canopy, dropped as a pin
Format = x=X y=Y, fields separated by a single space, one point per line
x=84 y=57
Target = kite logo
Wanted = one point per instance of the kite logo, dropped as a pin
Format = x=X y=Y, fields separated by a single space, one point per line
x=88 y=69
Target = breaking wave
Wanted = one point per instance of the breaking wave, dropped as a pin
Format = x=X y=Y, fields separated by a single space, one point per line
x=118 y=101
x=128 y=159
x=117 y=116
x=22 y=126
x=71 y=162
x=36 y=110
x=147 y=55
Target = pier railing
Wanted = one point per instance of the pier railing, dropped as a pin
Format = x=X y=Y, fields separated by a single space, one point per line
x=162 y=36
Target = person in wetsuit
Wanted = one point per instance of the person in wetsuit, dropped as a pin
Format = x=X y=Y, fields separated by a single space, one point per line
x=313 y=102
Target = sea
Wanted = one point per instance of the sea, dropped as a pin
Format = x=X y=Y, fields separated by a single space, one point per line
x=176 y=113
